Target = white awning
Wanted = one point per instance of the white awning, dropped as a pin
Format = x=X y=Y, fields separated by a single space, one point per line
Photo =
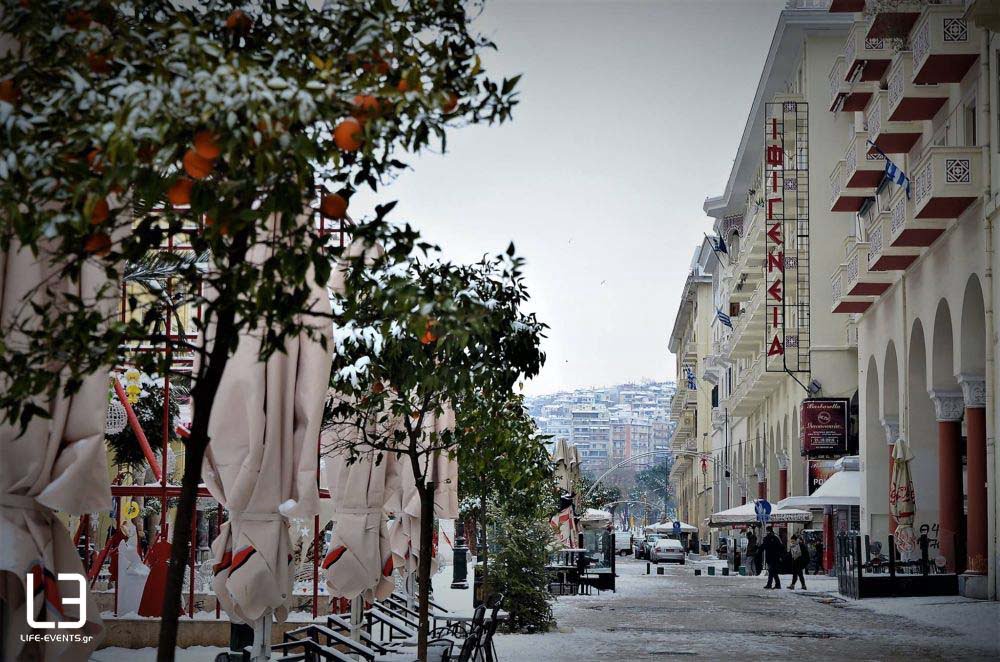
x=668 y=527
x=746 y=514
x=841 y=489
x=595 y=519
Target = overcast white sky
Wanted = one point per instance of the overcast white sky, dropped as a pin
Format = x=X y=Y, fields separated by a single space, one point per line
x=630 y=116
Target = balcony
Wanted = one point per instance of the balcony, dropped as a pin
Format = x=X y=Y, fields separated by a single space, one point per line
x=859 y=280
x=945 y=45
x=749 y=328
x=844 y=6
x=843 y=198
x=864 y=167
x=946 y=181
x=842 y=302
x=844 y=95
x=886 y=252
x=893 y=20
x=892 y=137
x=909 y=101
x=865 y=58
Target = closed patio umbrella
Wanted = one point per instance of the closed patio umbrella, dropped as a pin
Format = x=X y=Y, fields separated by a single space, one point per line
x=57 y=464
x=902 y=500
x=261 y=465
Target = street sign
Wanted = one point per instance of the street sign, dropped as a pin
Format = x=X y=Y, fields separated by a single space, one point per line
x=677 y=528
x=763 y=509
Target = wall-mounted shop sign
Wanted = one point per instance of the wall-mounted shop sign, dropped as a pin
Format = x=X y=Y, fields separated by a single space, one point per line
x=786 y=238
x=819 y=471
x=823 y=426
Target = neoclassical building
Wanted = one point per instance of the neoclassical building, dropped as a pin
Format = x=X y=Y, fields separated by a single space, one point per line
x=918 y=81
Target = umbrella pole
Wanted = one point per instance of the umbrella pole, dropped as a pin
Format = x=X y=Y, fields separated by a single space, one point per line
x=357 y=617
x=261 y=638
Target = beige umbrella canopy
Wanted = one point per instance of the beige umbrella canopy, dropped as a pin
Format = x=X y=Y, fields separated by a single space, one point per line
x=261 y=464
x=902 y=499
x=58 y=464
x=359 y=560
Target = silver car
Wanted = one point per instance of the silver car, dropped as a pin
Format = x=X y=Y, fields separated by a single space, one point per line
x=667 y=549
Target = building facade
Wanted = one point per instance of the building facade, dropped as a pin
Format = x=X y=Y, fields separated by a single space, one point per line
x=854 y=266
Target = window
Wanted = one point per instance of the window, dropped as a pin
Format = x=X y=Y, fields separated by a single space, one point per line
x=970 y=124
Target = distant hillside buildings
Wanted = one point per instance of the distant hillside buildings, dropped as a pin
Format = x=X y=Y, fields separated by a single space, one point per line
x=608 y=425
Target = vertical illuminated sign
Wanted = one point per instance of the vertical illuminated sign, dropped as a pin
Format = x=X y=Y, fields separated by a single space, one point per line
x=786 y=236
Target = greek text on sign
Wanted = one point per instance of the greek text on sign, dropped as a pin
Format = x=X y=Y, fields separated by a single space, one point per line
x=786 y=236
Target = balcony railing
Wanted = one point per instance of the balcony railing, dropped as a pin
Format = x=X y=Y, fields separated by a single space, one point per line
x=865 y=167
x=846 y=95
x=907 y=100
x=945 y=45
x=947 y=181
x=893 y=20
x=892 y=137
x=859 y=280
x=865 y=58
x=883 y=255
x=843 y=198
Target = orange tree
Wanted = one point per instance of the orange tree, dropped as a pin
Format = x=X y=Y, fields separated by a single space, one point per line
x=231 y=119
x=416 y=336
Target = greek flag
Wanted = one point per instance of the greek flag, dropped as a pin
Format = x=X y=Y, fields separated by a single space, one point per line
x=724 y=318
x=896 y=175
x=689 y=374
x=893 y=173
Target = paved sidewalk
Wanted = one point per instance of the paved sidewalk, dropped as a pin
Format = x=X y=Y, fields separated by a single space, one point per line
x=678 y=614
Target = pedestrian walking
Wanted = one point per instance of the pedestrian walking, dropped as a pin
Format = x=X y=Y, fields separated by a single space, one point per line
x=773 y=550
x=800 y=561
x=753 y=566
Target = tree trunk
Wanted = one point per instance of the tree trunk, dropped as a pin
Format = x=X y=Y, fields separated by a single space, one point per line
x=203 y=394
x=424 y=567
x=486 y=548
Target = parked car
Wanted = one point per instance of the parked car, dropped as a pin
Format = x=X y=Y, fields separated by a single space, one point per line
x=623 y=543
x=667 y=549
x=643 y=545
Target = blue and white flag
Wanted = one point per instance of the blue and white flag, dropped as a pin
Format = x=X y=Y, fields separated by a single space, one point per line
x=691 y=384
x=893 y=173
x=724 y=318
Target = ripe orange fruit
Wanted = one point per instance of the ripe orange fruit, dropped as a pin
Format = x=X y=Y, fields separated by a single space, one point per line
x=429 y=335
x=100 y=212
x=451 y=103
x=8 y=91
x=238 y=22
x=348 y=135
x=333 y=205
x=179 y=192
x=197 y=166
x=94 y=160
x=205 y=143
x=402 y=85
x=365 y=107
x=98 y=244
x=378 y=387
x=99 y=64
x=223 y=226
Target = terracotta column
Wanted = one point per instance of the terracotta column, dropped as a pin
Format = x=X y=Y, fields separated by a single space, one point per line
x=948 y=409
x=782 y=475
x=761 y=482
x=974 y=394
x=891 y=426
x=828 y=538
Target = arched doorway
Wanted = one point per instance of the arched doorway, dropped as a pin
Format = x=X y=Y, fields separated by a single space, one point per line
x=876 y=464
x=921 y=433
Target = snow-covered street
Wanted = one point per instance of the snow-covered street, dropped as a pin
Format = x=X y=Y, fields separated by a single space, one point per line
x=715 y=617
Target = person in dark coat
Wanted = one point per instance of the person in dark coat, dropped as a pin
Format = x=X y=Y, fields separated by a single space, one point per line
x=800 y=561
x=818 y=566
x=773 y=551
x=752 y=564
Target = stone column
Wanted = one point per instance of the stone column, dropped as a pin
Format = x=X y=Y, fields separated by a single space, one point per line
x=974 y=395
x=782 y=476
x=948 y=409
x=761 y=482
x=891 y=426
x=829 y=538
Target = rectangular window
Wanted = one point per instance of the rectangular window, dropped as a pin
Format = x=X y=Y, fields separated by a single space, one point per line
x=970 y=124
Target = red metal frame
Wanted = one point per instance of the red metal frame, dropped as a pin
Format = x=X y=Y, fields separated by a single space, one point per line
x=165 y=491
